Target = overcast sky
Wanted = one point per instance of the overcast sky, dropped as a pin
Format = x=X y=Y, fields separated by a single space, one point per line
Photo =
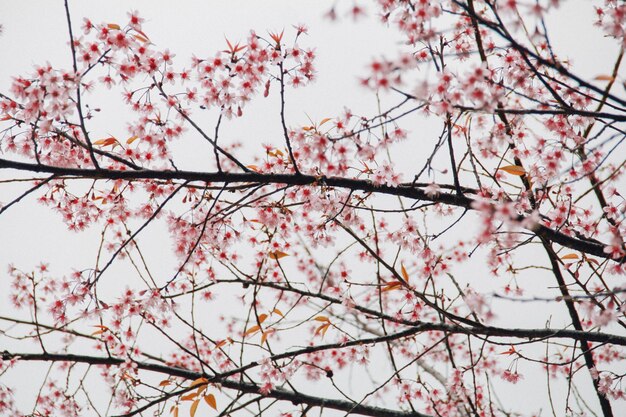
x=35 y=32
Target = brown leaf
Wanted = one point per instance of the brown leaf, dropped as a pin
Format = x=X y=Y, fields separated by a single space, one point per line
x=276 y=255
x=194 y=407
x=514 y=170
x=405 y=275
x=252 y=330
x=393 y=285
x=210 y=400
x=604 y=77
x=199 y=381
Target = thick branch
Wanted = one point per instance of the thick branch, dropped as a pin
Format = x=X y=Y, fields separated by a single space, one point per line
x=408 y=191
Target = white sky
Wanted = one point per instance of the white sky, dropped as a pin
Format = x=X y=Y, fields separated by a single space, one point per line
x=35 y=32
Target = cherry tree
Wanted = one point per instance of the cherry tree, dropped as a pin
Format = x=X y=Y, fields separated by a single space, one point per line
x=359 y=264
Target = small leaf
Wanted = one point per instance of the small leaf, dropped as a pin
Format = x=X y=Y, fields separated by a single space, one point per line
x=276 y=255
x=405 y=275
x=262 y=318
x=604 y=77
x=210 y=400
x=321 y=318
x=393 y=285
x=141 y=38
x=252 y=330
x=221 y=343
x=511 y=351
x=131 y=139
x=114 y=26
x=570 y=256
x=263 y=337
x=199 y=381
x=322 y=329
x=253 y=168
x=325 y=120
x=514 y=170
x=277 y=311
x=106 y=141
x=189 y=397
x=194 y=407
x=101 y=330
x=165 y=383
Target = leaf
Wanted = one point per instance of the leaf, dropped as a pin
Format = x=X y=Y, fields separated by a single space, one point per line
x=141 y=38
x=210 y=400
x=253 y=167
x=276 y=255
x=392 y=285
x=189 y=397
x=321 y=318
x=514 y=170
x=174 y=409
x=405 y=275
x=194 y=407
x=106 y=141
x=252 y=330
x=220 y=343
x=102 y=329
x=165 y=383
x=262 y=318
x=114 y=26
x=511 y=351
x=327 y=119
x=199 y=381
x=277 y=311
x=264 y=337
x=322 y=329
x=131 y=139
x=570 y=256
x=604 y=77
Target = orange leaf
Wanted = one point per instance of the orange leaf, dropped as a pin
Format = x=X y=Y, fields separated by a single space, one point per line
x=210 y=400
x=106 y=141
x=5 y=117
x=102 y=329
x=263 y=337
x=165 y=383
x=131 y=139
x=604 y=77
x=393 y=285
x=199 y=381
x=194 y=407
x=221 y=343
x=114 y=26
x=252 y=330
x=189 y=397
x=514 y=170
x=511 y=351
x=141 y=38
x=276 y=255
x=321 y=318
x=322 y=329
x=262 y=318
x=253 y=167
x=405 y=275
x=277 y=311
x=174 y=410
x=325 y=120
x=570 y=256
